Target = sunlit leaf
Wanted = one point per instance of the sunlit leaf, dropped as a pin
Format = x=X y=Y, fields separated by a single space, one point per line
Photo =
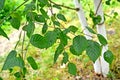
x=93 y=50
x=32 y=62
x=12 y=60
x=72 y=68
x=108 y=56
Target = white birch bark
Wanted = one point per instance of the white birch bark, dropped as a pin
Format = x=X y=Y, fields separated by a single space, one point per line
x=101 y=30
x=97 y=66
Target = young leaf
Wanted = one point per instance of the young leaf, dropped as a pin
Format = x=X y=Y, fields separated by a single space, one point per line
x=29 y=28
x=15 y=22
x=102 y=40
x=91 y=30
x=12 y=60
x=45 y=27
x=32 y=62
x=2 y=4
x=3 y=33
x=108 y=56
x=72 y=68
x=61 y=17
x=79 y=44
x=44 y=13
x=93 y=50
x=58 y=51
x=65 y=58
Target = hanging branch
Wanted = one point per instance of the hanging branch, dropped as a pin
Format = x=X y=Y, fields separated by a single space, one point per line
x=76 y=9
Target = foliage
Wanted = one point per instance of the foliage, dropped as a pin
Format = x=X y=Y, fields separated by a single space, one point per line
x=35 y=12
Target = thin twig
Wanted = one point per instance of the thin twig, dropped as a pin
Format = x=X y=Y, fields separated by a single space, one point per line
x=76 y=9
x=1 y=21
x=18 y=40
x=98 y=7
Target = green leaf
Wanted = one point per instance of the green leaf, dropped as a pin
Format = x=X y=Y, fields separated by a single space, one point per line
x=15 y=22
x=72 y=68
x=38 y=41
x=45 y=41
x=118 y=0
x=65 y=58
x=97 y=19
x=91 y=30
x=93 y=50
x=108 y=56
x=56 y=23
x=1 y=78
x=30 y=16
x=58 y=51
x=40 y=18
x=12 y=60
x=56 y=6
x=2 y=2
x=44 y=29
x=32 y=62
x=43 y=1
x=63 y=38
x=102 y=40
x=3 y=33
x=61 y=17
x=50 y=38
x=79 y=44
x=29 y=28
x=70 y=28
x=44 y=13
x=72 y=50
x=17 y=74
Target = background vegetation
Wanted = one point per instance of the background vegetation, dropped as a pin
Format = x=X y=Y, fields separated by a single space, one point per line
x=47 y=70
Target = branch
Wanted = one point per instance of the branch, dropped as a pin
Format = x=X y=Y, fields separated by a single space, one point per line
x=98 y=6
x=1 y=21
x=76 y=9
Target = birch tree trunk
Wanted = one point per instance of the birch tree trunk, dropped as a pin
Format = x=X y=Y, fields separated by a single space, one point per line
x=100 y=66
x=97 y=66
x=101 y=30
